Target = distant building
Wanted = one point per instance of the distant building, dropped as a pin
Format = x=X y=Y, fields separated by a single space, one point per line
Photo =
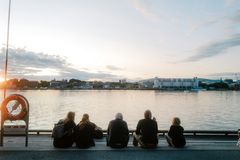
x=178 y=83
x=210 y=81
x=122 y=81
x=86 y=85
x=58 y=84
x=238 y=82
x=145 y=84
x=107 y=86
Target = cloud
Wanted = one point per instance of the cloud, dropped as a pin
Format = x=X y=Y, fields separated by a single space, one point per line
x=32 y=65
x=232 y=75
x=218 y=47
x=224 y=74
x=202 y=25
x=113 y=68
x=229 y=22
x=229 y=2
x=236 y=17
x=145 y=11
x=215 y=48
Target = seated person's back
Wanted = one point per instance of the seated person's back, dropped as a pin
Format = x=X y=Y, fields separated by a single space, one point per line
x=176 y=134
x=118 y=133
x=147 y=128
x=84 y=133
x=67 y=138
x=146 y=131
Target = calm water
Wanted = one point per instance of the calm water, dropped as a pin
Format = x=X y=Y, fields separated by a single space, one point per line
x=203 y=110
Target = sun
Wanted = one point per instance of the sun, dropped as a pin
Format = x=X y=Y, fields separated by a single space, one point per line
x=1 y=79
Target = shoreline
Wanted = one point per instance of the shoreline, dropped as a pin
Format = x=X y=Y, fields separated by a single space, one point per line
x=121 y=89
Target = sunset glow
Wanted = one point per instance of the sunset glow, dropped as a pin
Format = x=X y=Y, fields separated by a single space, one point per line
x=132 y=39
x=1 y=79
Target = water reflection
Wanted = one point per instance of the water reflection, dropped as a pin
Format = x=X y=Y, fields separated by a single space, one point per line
x=202 y=110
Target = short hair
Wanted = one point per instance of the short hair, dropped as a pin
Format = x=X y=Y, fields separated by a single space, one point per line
x=176 y=121
x=85 y=117
x=147 y=114
x=119 y=116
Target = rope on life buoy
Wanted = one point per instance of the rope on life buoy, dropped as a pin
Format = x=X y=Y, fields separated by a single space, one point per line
x=20 y=100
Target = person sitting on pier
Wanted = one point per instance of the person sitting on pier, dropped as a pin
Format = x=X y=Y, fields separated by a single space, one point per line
x=63 y=132
x=117 y=132
x=146 y=132
x=84 y=133
x=175 y=137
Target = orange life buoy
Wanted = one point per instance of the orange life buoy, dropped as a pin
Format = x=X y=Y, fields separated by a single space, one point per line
x=20 y=100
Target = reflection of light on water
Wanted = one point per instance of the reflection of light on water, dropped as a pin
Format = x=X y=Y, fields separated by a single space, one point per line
x=202 y=110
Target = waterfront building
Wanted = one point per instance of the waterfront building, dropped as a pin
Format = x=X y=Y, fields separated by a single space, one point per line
x=147 y=84
x=86 y=85
x=122 y=81
x=107 y=86
x=176 y=83
x=58 y=84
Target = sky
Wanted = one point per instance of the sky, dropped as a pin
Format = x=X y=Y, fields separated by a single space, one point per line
x=110 y=39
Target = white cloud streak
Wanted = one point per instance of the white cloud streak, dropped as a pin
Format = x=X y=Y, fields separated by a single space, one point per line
x=215 y=48
x=145 y=11
x=113 y=68
x=219 y=46
x=32 y=65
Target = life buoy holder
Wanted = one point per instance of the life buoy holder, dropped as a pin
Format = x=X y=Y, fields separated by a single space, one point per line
x=20 y=100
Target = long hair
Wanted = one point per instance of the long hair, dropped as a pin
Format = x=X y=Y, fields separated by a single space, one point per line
x=85 y=119
x=70 y=117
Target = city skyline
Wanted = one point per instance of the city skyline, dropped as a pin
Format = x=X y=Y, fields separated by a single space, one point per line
x=111 y=40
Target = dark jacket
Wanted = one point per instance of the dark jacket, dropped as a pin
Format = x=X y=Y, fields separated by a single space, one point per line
x=148 y=130
x=68 y=139
x=118 y=134
x=84 y=135
x=176 y=133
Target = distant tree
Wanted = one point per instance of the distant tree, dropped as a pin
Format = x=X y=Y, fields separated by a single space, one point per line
x=33 y=84
x=219 y=85
x=98 y=85
x=71 y=81
x=228 y=81
x=23 y=83
x=203 y=85
x=44 y=84
x=12 y=83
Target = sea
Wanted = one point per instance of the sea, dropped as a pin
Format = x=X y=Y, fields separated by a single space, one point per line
x=203 y=110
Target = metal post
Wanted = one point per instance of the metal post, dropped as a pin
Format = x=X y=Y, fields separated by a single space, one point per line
x=7 y=45
x=5 y=71
x=2 y=132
